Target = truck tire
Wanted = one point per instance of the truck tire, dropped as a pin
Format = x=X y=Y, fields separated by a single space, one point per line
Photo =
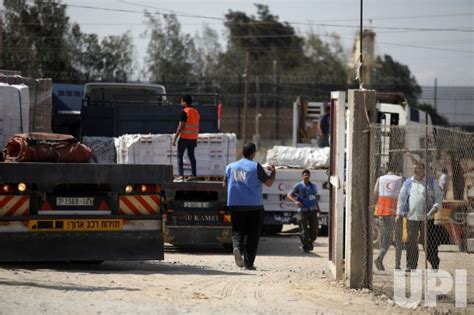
x=272 y=229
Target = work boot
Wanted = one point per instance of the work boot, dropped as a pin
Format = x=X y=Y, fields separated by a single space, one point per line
x=252 y=267
x=239 y=261
x=378 y=264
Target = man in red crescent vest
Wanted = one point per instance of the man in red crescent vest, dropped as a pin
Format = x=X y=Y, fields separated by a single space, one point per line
x=188 y=133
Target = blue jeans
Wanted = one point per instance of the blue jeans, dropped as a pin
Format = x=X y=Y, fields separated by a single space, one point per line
x=186 y=144
x=387 y=236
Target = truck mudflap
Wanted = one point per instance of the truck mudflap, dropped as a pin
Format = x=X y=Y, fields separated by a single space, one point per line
x=80 y=246
x=186 y=235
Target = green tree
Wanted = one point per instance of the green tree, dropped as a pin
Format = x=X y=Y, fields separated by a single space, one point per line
x=169 y=52
x=266 y=38
x=208 y=51
x=326 y=60
x=389 y=75
x=39 y=41
x=35 y=39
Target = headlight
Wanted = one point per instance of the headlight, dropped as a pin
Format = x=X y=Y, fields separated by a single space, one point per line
x=6 y=188
x=128 y=189
x=143 y=188
x=22 y=187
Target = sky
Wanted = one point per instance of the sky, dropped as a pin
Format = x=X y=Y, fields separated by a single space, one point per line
x=435 y=38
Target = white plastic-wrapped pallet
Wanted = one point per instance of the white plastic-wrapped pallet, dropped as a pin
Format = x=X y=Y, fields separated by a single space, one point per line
x=302 y=157
x=213 y=152
x=14 y=111
x=143 y=149
x=103 y=149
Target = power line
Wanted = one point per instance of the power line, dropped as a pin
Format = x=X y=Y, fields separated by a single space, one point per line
x=262 y=22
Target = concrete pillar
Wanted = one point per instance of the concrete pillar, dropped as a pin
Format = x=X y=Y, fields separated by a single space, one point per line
x=358 y=217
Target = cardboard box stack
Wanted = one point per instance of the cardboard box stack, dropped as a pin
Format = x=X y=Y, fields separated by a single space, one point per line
x=143 y=149
x=213 y=152
x=40 y=99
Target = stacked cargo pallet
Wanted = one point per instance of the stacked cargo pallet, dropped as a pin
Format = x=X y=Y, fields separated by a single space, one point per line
x=14 y=111
x=213 y=151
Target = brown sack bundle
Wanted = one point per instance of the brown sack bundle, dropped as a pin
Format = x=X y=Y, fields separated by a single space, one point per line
x=45 y=147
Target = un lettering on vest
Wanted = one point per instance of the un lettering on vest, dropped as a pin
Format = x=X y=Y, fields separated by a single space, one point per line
x=239 y=175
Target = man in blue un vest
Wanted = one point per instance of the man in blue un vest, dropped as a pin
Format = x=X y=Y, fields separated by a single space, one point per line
x=244 y=180
x=304 y=195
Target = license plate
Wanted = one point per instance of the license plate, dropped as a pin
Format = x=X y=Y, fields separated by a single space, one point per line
x=75 y=225
x=74 y=201
x=196 y=204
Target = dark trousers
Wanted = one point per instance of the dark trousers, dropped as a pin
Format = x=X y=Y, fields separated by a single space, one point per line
x=246 y=230
x=323 y=141
x=432 y=243
x=186 y=144
x=387 y=237
x=309 y=226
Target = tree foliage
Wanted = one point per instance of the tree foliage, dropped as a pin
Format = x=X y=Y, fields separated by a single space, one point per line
x=39 y=41
x=35 y=39
x=389 y=75
x=170 y=52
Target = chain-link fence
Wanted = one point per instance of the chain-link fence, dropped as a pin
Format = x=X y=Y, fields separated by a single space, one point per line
x=422 y=205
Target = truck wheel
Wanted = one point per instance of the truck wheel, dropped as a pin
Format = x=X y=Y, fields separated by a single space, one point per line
x=272 y=229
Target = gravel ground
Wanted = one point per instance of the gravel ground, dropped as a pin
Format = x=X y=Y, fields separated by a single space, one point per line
x=192 y=281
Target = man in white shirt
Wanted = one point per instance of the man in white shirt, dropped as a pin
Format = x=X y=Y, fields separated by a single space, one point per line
x=419 y=211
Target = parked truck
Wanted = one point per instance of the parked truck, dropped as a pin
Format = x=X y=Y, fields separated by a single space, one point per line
x=194 y=212
x=79 y=211
x=278 y=210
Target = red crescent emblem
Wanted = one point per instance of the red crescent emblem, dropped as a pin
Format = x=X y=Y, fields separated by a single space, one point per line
x=389 y=186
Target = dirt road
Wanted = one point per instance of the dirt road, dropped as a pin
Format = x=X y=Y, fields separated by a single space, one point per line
x=286 y=281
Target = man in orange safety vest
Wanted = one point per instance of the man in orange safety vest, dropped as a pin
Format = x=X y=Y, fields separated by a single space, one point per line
x=188 y=133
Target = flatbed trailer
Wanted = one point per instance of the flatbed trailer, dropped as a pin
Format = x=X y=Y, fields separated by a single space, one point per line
x=81 y=211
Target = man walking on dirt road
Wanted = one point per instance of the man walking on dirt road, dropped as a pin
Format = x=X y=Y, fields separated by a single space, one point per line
x=304 y=195
x=244 y=180
x=419 y=210
x=386 y=190
x=188 y=133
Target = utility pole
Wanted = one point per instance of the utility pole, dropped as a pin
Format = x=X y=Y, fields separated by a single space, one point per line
x=276 y=93
x=435 y=100
x=246 y=95
x=361 y=45
x=256 y=137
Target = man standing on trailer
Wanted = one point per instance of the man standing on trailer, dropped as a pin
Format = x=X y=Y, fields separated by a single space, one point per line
x=244 y=180
x=188 y=133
